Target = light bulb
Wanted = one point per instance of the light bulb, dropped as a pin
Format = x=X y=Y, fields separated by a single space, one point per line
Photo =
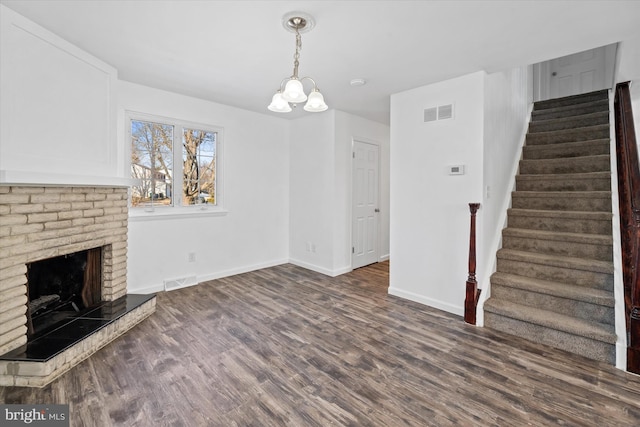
x=294 y=92
x=316 y=103
x=278 y=104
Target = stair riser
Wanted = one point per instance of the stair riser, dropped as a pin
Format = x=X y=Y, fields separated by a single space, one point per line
x=567 y=225
x=550 y=114
x=571 y=100
x=578 y=309
x=557 y=274
x=560 y=248
x=571 y=165
x=555 y=151
x=569 y=122
x=550 y=183
x=587 y=347
x=556 y=137
x=561 y=204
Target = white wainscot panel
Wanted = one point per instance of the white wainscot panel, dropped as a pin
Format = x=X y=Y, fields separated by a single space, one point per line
x=57 y=107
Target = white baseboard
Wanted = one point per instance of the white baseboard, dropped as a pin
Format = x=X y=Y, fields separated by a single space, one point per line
x=384 y=258
x=621 y=356
x=232 y=272
x=240 y=270
x=206 y=277
x=321 y=270
x=440 y=305
x=147 y=290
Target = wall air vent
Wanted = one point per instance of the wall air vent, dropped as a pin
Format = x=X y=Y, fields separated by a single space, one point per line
x=445 y=112
x=441 y=112
x=431 y=114
x=182 y=282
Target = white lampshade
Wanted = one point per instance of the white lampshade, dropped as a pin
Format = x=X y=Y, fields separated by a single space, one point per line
x=316 y=103
x=278 y=104
x=293 y=91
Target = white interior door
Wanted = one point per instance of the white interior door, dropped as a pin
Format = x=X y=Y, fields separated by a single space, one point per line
x=579 y=73
x=365 y=204
x=575 y=74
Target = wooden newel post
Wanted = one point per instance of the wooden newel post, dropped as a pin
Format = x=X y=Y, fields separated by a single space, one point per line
x=472 y=292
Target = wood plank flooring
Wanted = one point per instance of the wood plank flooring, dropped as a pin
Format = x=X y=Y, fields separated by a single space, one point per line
x=287 y=346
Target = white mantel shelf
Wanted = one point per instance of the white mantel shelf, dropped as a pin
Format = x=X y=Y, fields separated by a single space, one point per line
x=46 y=179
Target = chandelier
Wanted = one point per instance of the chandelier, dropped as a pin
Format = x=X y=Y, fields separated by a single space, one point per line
x=291 y=91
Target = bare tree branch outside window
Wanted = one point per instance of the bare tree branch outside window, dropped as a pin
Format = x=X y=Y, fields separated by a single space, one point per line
x=199 y=158
x=151 y=163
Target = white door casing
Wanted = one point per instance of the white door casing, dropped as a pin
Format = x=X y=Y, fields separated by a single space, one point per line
x=365 y=209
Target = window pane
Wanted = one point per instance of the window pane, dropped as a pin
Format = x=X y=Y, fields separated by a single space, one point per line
x=151 y=163
x=199 y=172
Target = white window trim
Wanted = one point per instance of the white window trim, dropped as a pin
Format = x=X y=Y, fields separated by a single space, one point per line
x=178 y=210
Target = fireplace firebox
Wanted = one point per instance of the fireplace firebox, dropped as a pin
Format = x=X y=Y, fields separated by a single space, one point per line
x=62 y=287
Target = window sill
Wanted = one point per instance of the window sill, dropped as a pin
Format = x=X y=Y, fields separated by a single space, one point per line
x=141 y=214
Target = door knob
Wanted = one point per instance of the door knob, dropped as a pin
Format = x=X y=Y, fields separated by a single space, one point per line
x=377 y=210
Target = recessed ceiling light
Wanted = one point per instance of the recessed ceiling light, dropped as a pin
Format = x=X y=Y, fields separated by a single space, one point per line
x=358 y=82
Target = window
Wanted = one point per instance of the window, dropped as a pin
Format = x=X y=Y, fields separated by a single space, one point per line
x=174 y=164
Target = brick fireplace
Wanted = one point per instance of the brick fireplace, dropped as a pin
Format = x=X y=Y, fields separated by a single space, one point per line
x=38 y=223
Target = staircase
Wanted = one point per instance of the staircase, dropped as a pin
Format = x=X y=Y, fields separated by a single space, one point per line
x=554 y=278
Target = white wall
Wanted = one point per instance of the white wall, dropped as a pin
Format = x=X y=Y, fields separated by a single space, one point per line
x=349 y=127
x=429 y=208
x=255 y=231
x=320 y=196
x=507 y=103
x=311 y=191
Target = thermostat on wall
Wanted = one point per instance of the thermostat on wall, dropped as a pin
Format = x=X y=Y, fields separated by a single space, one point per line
x=456 y=170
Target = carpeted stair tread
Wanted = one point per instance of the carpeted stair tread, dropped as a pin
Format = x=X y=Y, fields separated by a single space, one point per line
x=569 y=135
x=571 y=100
x=590 y=181
x=571 y=110
x=573 y=263
x=567 y=149
x=582 y=164
x=602 y=216
x=578 y=175
x=588 y=201
x=593 y=330
x=560 y=220
x=562 y=243
x=572 y=122
x=561 y=290
x=585 y=239
x=564 y=194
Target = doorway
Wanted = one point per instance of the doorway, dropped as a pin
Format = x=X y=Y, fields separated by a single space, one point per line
x=365 y=203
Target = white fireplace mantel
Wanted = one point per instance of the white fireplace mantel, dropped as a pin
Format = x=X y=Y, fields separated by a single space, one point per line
x=17 y=177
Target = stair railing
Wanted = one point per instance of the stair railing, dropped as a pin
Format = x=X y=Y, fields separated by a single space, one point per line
x=472 y=292
x=629 y=205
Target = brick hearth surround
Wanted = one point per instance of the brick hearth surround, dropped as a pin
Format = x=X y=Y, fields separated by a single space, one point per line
x=43 y=222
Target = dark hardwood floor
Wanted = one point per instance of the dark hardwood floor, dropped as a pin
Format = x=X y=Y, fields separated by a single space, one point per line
x=286 y=346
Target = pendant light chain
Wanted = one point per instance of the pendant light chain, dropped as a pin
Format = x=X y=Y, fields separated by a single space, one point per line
x=296 y=56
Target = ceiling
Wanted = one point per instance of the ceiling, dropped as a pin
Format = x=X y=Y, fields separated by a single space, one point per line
x=237 y=52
